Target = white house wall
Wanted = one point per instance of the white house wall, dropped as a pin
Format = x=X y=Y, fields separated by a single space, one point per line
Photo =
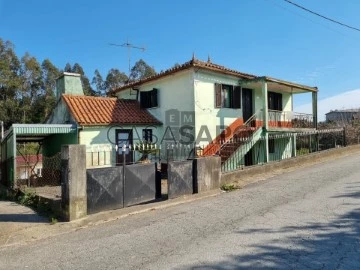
x=102 y=140
x=207 y=115
x=175 y=97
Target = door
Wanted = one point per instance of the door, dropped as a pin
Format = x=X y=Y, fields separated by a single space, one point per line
x=247 y=103
x=124 y=137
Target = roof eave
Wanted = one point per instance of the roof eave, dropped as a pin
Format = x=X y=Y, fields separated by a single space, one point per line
x=290 y=84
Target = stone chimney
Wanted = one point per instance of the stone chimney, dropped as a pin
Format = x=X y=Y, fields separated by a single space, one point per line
x=70 y=84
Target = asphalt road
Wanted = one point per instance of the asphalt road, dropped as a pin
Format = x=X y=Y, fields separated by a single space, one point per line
x=305 y=219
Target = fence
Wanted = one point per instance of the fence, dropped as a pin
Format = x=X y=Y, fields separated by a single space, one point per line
x=283 y=146
x=107 y=155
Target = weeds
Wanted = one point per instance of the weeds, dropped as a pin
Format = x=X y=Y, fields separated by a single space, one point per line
x=53 y=221
x=228 y=187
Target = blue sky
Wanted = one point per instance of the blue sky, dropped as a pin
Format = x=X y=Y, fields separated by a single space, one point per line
x=263 y=37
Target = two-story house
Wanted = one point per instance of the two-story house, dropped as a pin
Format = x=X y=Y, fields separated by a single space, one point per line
x=222 y=110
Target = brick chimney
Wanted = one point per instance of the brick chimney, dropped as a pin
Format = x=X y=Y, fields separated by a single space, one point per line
x=70 y=84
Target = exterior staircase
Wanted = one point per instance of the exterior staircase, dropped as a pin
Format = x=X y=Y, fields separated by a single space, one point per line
x=233 y=148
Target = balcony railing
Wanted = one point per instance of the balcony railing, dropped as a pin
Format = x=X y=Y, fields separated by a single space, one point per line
x=286 y=119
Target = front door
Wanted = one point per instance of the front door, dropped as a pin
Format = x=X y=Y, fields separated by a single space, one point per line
x=124 y=137
x=247 y=103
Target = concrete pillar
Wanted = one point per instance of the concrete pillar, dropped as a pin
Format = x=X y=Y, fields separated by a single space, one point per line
x=73 y=181
x=314 y=109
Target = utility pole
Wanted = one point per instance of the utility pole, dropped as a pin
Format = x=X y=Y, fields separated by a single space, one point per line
x=129 y=46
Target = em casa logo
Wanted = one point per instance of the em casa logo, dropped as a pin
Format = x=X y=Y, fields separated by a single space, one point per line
x=175 y=118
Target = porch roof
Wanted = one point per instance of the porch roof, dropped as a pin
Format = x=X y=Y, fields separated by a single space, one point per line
x=279 y=85
x=37 y=132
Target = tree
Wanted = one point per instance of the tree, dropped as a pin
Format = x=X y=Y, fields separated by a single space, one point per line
x=10 y=83
x=88 y=91
x=99 y=83
x=68 y=68
x=31 y=86
x=45 y=103
x=115 y=78
x=141 y=70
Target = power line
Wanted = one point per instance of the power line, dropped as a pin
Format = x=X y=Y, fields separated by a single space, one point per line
x=322 y=16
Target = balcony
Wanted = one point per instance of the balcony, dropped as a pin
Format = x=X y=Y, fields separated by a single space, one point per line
x=288 y=119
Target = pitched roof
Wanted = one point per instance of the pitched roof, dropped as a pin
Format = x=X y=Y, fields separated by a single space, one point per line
x=195 y=63
x=192 y=63
x=89 y=110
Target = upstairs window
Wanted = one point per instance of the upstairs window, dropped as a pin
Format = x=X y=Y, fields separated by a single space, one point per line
x=149 y=99
x=275 y=101
x=227 y=96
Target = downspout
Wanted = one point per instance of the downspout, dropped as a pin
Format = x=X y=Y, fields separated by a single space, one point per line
x=78 y=133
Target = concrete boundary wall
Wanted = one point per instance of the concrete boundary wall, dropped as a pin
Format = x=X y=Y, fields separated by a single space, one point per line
x=206 y=173
x=242 y=176
x=180 y=178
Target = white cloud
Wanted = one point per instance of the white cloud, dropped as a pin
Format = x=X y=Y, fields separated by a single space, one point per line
x=346 y=100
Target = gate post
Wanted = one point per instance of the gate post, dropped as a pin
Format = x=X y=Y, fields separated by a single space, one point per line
x=73 y=182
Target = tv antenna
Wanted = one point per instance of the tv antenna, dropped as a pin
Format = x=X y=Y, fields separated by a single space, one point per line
x=129 y=46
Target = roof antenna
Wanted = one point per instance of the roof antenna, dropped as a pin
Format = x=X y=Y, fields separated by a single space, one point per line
x=129 y=47
x=193 y=56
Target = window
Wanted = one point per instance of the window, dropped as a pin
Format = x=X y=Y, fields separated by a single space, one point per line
x=275 y=101
x=147 y=134
x=227 y=96
x=148 y=99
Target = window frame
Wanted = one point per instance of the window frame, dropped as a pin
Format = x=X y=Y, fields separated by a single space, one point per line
x=146 y=134
x=275 y=101
x=149 y=99
x=234 y=99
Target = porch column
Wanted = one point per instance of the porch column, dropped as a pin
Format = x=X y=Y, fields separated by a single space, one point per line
x=314 y=109
x=265 y=119
x=265 y=105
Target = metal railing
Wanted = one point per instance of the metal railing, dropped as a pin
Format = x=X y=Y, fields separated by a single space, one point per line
x=286 y=145
x=288 y=119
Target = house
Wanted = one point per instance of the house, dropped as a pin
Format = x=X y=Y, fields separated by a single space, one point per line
x=102 y=122
x=222 y=110
x=342 y=116
x=197 y=108
x=29 y=165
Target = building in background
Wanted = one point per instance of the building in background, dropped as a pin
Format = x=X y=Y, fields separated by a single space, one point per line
x=345 y=116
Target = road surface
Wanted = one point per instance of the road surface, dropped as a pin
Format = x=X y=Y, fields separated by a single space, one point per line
x=304 y=219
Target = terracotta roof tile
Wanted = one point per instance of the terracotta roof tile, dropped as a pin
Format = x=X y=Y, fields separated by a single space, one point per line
x=192 y=63
x=88 y=110
x=29 y=160
x=195 y=63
